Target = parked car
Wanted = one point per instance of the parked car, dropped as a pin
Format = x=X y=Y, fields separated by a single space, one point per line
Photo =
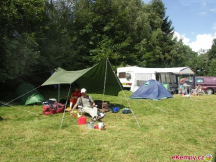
x=208 y=83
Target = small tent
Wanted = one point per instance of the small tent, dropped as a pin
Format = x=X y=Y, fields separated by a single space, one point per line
x=151 y=89
x=97 y=79
x=29 y=95
x=34 y=98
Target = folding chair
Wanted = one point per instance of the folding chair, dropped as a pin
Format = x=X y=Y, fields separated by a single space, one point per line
x=198 y=90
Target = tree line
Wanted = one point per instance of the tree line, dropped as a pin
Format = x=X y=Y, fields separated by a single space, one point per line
x=38 y=36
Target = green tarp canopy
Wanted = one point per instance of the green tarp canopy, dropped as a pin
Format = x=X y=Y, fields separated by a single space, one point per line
x=29 y=95
x=97 y=79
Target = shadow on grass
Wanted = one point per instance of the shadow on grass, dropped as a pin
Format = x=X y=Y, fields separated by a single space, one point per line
x=1 y=118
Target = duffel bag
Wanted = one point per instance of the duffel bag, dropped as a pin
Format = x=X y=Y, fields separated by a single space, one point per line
x=47 y=113
x=59 y=110
x=53 y=111
x=60 y=107
x=46 y=108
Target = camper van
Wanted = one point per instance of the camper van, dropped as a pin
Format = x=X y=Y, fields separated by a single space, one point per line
x=208 y=83
x=133 y=77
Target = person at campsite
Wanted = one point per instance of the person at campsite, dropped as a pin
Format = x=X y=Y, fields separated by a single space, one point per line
x=88 y=105
x=75 y=95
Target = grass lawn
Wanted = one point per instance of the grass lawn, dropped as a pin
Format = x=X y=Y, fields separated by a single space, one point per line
x=177 y=126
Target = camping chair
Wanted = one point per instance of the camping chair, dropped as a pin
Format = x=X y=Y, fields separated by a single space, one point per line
x=198 y=90
x=172 y=88
x=81 y=111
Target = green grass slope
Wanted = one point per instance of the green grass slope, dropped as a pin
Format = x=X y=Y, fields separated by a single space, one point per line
x=177 y=126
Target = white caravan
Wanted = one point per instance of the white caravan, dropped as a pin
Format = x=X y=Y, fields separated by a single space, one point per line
x=133 y=77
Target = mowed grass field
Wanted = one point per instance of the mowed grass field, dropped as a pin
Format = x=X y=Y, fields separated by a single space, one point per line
x=163 y=129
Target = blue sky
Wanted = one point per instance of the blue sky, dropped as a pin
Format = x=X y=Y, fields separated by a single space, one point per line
x=194 y=21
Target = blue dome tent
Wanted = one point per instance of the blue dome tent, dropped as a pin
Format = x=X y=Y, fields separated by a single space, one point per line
x=151 y=89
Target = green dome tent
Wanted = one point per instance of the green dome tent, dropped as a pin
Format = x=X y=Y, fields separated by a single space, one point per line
x=29 y=95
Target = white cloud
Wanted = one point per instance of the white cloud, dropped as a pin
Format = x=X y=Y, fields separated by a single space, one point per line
x=203 y=41
x=184 y=39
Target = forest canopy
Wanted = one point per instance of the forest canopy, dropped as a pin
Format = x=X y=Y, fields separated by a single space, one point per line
x=37 y=37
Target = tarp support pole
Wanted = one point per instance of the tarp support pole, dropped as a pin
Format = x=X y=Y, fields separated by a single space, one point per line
x=58 y=92
x=104 y=83
x=65 y=106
